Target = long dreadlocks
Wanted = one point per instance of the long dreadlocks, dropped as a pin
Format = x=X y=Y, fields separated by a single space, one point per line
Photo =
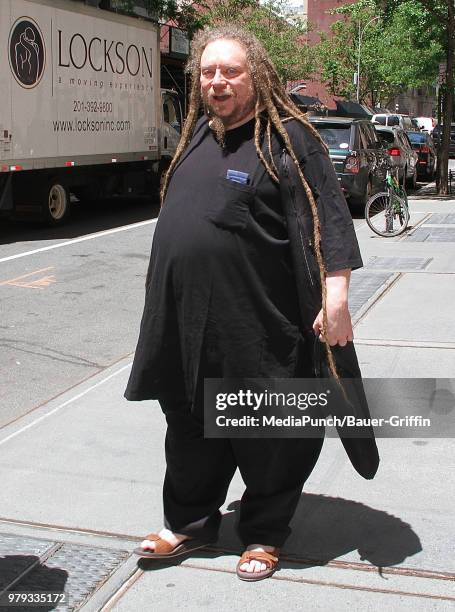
x=271 y=101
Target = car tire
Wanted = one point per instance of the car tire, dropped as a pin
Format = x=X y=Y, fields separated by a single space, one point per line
x=358 y=204
x=411 y=183
x=402 y=179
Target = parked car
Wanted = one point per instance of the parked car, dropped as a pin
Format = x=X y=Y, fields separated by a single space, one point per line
x=424 y=146
x=356 y=152
x=426 y=123
x=393 y=120
x=437 y=135
x=403 y=158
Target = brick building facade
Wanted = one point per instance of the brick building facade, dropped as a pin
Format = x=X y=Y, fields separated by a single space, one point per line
x=316 y=13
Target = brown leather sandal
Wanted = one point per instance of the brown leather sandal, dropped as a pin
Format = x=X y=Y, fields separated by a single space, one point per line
x=269 y=558
x=165 y=550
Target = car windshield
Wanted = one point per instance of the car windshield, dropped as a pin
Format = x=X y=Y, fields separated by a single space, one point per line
x=416 y=138
x=334 y=135
x=385 y=135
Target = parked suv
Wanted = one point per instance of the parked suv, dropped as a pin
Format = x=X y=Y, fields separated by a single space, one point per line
x=357 y=154
x=394 y=120
x=403 y=158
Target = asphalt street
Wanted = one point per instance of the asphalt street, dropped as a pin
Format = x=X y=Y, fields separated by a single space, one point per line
x=71 y=300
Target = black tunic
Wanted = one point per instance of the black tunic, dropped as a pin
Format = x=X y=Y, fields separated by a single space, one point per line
x=220 y=273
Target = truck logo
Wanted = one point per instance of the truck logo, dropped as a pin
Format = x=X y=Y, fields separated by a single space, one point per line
x=27 y=52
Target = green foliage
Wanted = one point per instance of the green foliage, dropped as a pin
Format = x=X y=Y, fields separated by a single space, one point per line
x=282 y=35
x=284 y=39
x=411 y=50
x=399 y=50
x=270 y=21
x=338 y=51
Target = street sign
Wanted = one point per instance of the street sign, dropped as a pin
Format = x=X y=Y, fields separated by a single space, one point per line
x=442 y=73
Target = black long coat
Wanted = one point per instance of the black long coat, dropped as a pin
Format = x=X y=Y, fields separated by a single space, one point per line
x=362 y=451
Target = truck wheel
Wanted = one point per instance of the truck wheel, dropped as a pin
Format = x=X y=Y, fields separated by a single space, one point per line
x=56 y=205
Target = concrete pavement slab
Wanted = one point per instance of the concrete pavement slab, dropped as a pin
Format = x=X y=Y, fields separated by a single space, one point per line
x=97 y=462
x=383 y=359
x=195 y=588
x=418 y=307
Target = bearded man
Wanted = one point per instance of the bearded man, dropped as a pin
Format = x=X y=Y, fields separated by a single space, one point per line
x=222 y=301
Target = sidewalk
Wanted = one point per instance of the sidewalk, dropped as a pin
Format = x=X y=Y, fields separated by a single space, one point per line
x=82 y=475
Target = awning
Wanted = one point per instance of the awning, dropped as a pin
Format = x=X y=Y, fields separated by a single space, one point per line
x=347 y=108
x=310 y=102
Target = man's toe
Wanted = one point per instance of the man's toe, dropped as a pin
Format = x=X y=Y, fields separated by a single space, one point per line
x=147 y=545
x=252 y=567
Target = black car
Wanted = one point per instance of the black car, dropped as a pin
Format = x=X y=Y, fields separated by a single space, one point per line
x=357 y=154
x=424 y=146
x=437 y=136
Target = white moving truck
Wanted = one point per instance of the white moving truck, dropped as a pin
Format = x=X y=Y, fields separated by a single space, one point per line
x=81 y=109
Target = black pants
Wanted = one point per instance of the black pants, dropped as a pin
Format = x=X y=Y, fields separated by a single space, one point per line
x=200 y=469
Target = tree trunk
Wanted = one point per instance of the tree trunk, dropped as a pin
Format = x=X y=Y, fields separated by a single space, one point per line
x=448 y=103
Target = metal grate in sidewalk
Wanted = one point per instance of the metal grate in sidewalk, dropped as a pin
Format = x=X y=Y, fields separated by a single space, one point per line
x=441 y=219
x=55 y=567
x=398 y=264
x=432 y=234
x=437 y=228
x=363 y=286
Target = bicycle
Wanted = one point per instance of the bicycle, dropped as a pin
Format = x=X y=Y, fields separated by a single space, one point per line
x=387 y=212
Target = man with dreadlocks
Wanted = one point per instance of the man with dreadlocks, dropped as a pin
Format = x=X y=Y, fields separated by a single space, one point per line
x=221 y=297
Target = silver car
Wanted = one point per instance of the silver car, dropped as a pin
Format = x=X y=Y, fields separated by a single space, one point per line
x=402 y=156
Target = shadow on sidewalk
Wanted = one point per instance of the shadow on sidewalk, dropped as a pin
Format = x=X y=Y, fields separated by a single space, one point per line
x=38 y=579
x=325 y=528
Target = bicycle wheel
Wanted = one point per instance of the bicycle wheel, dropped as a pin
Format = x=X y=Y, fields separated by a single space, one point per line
x=387 y=214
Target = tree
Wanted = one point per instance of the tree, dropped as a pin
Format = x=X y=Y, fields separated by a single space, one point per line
x=396 y=53
x=284 y=38
x=400 y=50
x=282 y=35
x=338 y=53
x=438 y=16
x=409 y=52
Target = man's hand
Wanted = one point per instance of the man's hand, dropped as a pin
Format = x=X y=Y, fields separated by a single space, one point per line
x=339 y=326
